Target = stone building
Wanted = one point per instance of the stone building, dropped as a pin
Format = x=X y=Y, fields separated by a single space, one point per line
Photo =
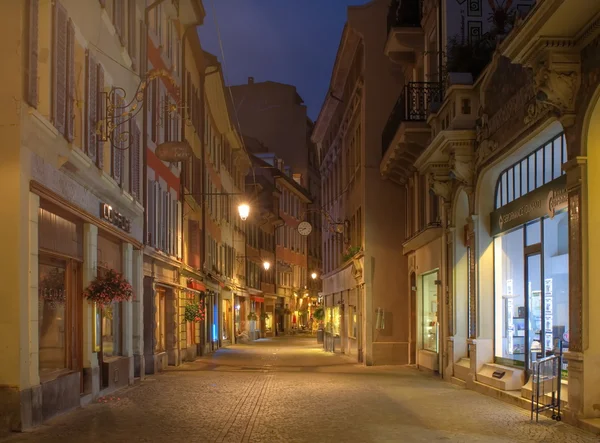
x=364 y=277
x=75 y=207
x=500 y=177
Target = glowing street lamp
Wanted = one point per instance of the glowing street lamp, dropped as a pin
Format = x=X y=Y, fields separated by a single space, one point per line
x=244 y=211
x=266 y=265
x=313 y=275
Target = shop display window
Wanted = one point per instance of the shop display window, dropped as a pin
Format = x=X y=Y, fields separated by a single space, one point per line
x=556 y=283
x=160 y=330
x=352 y=322
x=510 y=324
x=52 y=324
x=430 y=312
x=226 y=323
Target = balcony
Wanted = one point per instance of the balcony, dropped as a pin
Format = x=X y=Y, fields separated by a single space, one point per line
x=406 y=132
x=405 y=35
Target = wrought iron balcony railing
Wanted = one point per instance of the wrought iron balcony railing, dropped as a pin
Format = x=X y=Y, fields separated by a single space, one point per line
x=414 y=104
x=404 y=13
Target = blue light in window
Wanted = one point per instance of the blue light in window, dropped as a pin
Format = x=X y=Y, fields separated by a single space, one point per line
x=214 y=332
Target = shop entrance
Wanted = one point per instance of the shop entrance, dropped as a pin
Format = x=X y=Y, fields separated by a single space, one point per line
x=534 y=327
x=413 y=319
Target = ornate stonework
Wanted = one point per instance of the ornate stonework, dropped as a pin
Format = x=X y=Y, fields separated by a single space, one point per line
x=441 y=188
x=555 y=88
x=462 y=169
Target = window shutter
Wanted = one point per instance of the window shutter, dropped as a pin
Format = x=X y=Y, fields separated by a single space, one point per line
x=155 y=110
x=157 y=215
x=117 y=144
x=166 y=121
x=151 y=213
x=91 y=108
x=188 y=95
x=143 y=44
x=134 y=159
x=118 y=20
x=131 y=39
x=59 y=67
x=159 y=205
x=194 y=244
x=100 y=108
x=32 y=63
x=70 y=89
x=179 y=228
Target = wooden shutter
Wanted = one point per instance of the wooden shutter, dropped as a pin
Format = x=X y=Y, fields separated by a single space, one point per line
x=119 y=20
x=131 y=39
x=143 y=45
x=194 y=244
x=31 y=92
x=59 y=67
x=155 y=110
x=166 y=121
x=151 y=213
x=100 y=111
x=134 y=159
x=179 y=228
x=70 y=89
x=91 y=92
x=117 y=144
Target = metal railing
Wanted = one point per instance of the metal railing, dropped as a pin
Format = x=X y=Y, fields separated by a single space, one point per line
x=413 y=104
x=404 y=13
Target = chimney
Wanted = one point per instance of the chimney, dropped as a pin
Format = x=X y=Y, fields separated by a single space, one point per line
x=250 y=80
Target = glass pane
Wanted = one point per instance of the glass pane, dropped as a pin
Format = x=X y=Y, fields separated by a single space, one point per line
x=533 y=234
x=564 y=146
x=534 y=293
x=52 y=297
x=539 y=169
x=524 y=189
x=517 y=180
x=509 y=267
x=111 y=330
x=556 y=284
x=548 y=163
x=504 y=190
x=511 y=195
x=557 y=158
x=531 y=169
x=429 y=320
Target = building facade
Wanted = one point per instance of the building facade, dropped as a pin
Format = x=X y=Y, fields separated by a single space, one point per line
x=498 y=192
x=363 y=276
x=75 y=210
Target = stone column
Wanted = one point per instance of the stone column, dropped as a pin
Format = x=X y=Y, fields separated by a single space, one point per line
x=138 y=313
x=91 y=371
x=127 y=252
x=578 y=315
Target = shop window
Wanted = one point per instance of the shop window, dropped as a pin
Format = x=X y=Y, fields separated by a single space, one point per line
x=52 y=318
x=429 y=312
x=352 y=322
x=160 y=331
x=510 y=306
x=533 y=233
x=226 y=323
x=556 y=284
x=111 y=327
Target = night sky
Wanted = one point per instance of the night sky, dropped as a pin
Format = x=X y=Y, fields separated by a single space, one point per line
x=288 y=41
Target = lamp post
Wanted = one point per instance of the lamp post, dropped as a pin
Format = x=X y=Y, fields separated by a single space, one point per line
x=266 y=265
x=314 y=275
x=244 y=211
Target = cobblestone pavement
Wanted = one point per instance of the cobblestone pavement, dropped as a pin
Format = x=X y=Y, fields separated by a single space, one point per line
x=289 y=390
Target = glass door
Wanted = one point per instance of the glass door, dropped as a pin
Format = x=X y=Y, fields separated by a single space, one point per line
x=533 y=263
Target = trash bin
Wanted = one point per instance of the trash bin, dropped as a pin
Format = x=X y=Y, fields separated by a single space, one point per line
x=320 y=334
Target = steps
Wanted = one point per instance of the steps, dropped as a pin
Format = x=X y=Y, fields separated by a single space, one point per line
x=511 y=380
x=462 y=368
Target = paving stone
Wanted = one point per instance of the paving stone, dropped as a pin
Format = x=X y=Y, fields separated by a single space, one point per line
x=289 y=390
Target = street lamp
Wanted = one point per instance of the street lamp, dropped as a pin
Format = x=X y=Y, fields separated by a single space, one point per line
x=244 y=211
x=313 y=275
x=266 y=265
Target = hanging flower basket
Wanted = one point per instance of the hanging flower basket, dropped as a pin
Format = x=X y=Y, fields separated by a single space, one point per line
x=194 y=312
x=264 y=316
x=252 y=316
x=52 y=288
x=109 y=288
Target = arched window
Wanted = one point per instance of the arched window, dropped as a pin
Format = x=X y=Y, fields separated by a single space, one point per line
x=535 y=170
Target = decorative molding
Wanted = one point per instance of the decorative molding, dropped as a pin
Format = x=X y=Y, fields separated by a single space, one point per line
x=555 y=87
x=461 y=169
x=485 y=150
x=441 y=188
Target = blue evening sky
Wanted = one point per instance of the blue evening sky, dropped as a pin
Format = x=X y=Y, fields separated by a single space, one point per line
x=287 y=41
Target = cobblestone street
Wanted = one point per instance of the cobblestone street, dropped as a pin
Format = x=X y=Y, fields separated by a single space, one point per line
x=288 y=390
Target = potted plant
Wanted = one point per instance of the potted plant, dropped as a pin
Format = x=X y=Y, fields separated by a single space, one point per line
x=194 y=312
x=110 y=287
x=252 y=316
x=264 y=315
x=319 y=315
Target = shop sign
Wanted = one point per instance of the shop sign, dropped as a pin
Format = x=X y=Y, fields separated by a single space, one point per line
x=545 y=201
x=116 y=218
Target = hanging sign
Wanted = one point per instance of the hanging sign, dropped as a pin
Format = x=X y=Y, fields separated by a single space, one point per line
x=116 y=218
x=545 y=201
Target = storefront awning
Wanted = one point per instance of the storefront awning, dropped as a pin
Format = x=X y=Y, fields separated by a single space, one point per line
x=196 y=285
x=257 y=298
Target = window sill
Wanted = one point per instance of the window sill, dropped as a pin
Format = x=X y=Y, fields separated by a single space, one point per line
x=51 y=376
